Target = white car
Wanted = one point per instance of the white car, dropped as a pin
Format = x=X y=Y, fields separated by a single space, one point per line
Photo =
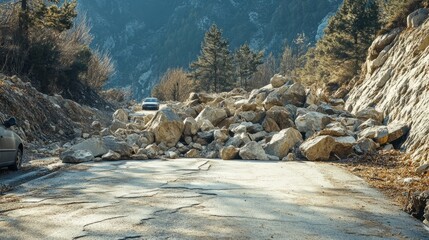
x=150 y=104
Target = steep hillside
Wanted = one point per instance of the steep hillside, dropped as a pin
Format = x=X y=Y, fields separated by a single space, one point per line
x=44 y=119
x=148 y=37
x=395 y=82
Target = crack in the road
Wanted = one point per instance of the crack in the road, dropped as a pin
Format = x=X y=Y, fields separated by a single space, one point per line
x=265 y=219
x=167 y=211
x=206 y=189
x=208 y=168
x=100 y=221
x=126 y=196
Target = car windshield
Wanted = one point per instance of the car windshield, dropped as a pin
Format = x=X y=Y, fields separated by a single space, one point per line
x=154 y=100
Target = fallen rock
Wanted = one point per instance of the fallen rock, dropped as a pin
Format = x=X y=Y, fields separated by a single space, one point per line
x=396 y=131
x=120 y=115
x=370 y=113
x=253 y=151
x=190 y=127
x=167 y=127
x=379 y=134
x=229 y=153
x=93 y=145
x=76 y=156
x=312 y=122
x=278 y=81
x=116 y=145
x=111 y=155
x=366 y=145
x=281 y=116
x=214 y=115
x=270 y=125
x=116 y=124
x=417 y=205
x=318 y=148
x=282 y=142
x=295 y=95
x=289 y=158
x=221 y=135
x=193 y=153
x=343 y=146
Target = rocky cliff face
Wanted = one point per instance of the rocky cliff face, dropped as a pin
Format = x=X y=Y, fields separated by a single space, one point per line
x=396 y=82
x=148 y=37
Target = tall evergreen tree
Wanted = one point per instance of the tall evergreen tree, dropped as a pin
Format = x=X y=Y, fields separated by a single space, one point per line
x=213 y=68
x=347 y=37
x=246 y=64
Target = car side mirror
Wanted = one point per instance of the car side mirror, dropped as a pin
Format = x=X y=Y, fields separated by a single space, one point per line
x=9 y=123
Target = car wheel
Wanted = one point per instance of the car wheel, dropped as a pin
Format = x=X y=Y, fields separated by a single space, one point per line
x=18 y=161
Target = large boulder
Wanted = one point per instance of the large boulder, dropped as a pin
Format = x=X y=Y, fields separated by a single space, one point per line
x=295 y=95
x=117 y=145
x=318 y=148
x=379 y=134
x=120 y=115
x=365 y=146
x=221 y=135
x=229 y=153
x=312 y=122
x=270 y=125
x=167 y=127
x=396 y=131
x=190 y=127
x=282 y=142
x=93 y=145
x=214 y=115
x=281 y=116
x=253 y=151
x=344 y=146
x=278 y=81
x=76 y=156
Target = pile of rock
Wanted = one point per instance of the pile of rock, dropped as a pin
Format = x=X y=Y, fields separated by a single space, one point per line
x=281 y=121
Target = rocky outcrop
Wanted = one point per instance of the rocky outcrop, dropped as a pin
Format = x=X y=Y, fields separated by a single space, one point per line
x=398 y=85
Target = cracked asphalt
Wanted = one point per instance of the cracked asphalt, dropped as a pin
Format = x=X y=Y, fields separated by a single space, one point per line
x=202 y=199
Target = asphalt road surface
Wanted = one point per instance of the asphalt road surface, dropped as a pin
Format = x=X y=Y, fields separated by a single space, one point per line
x=202 y=199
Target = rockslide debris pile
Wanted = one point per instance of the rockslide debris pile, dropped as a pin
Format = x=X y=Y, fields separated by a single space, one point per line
x=281 y=121
x=42 y=118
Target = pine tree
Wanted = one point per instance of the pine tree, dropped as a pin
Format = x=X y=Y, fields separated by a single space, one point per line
x=212 y=71
x=347 y=37
x=246 y=64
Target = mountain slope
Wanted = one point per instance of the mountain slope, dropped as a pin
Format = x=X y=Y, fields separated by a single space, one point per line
x=148 y=37
x=396 y=83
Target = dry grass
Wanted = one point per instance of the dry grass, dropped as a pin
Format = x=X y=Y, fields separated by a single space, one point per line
x=391 y=172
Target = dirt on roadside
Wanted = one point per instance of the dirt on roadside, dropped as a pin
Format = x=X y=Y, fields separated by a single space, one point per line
x=392 y=172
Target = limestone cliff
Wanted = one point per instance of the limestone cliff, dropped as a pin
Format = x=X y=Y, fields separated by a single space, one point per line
x=395 y=81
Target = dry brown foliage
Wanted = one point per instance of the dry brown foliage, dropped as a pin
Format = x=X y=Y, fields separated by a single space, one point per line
x=391 y=172
x=175 y=85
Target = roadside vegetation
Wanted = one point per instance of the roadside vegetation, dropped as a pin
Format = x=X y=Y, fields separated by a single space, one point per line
x=48 y=44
